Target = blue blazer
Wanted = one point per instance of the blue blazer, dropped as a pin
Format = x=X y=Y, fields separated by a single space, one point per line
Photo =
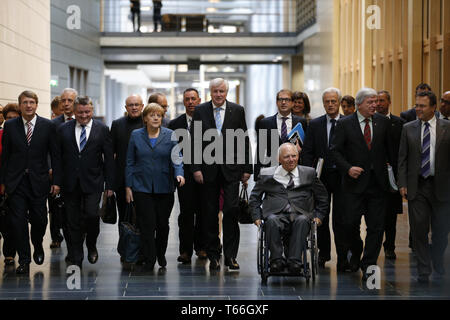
x=151 y=170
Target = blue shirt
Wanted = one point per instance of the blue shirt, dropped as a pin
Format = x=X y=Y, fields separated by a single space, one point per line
x=153 y=141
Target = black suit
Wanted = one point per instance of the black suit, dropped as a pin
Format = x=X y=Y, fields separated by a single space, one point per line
x=317 y=146
x=366 y=194
x=56 y=223
x=86 y=175
x=217 y=176
x=268 y=124
x=120 y=133
x=409 y=115
x=25 y=174
x=395 y=201
x=189 y=220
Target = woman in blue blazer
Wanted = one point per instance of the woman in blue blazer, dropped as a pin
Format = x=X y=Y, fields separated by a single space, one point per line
x=150 y=176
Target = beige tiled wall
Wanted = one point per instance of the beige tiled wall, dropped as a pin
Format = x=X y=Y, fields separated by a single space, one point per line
x=25 y=51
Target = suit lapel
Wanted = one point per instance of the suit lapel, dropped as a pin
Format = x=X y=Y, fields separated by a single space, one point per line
x=36 y=126
x=74 y=138
x=323 y=131
x=146 y=138
x=228 y=116
x=162 y=133
x=375 y=132
x=357 y=127
x=440 y=133
x=211 y=115
x=21 y=129
x=92 y=134
x=418 y=136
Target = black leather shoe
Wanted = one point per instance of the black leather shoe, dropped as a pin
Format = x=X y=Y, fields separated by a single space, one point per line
x=23 y=269
x=202 y=254
x=38 y=255
x=294 y=267
x=55 y=244
x=390 y=254
x=162 y=261
x=231 y=263
x=9 y=261
x=277 y=265
x=184 y=258
x=214 y=264
x=92 y=255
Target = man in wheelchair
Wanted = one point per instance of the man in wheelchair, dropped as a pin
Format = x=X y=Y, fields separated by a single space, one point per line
x=293 y=196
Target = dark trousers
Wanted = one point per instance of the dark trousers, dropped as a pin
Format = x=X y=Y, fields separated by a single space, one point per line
x=24 y=207
x=331 y=179
x=55 y=221
x=393 y=208
x=152 y=215
x=121 y=204
x=426 y=209
x=210 y=220
x=9 y=249
x=189 y=221
x=372 y=203
x=83 y=221
x=136 y=15
x=279 y=227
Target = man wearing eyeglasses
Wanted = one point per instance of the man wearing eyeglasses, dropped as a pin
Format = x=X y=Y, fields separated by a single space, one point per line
x=120 y=131
x=283 y=121
x=444 y=110
x=161 y=99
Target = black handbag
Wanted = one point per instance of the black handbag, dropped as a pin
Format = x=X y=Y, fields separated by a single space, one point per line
x=129 y=236
x=108 y=211
x=4 y=209
x=244 y=210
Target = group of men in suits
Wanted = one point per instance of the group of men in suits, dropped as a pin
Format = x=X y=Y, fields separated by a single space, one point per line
x=77 y=153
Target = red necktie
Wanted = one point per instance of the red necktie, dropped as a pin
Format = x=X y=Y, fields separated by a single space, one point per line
x=367 y=134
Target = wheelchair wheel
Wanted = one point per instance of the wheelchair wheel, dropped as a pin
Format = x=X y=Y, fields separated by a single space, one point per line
x=314 y=252
x=260 y=253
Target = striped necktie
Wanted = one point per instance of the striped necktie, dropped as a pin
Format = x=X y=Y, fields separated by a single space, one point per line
x=283 y=129
x=29 y=131
x=82 y=137
x=425 y=169
x=218 y=119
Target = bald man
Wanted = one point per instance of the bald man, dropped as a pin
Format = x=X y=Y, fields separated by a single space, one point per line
x=120 y=131
x=444 y=109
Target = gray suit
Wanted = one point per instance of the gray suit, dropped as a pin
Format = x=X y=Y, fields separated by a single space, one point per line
x=427 y=198
x=308 y=200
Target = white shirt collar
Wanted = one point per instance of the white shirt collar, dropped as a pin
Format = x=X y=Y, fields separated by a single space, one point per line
x=88 y=125
x=432 y=121
x=279 y=116
x=33 y=121
x=67 y=117
x=361 y=118
x=329 y=118
x=188 y=118
x=281 y=171
x=222 y=106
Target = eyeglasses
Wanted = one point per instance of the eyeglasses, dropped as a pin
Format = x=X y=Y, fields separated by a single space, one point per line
x=445 y=102
x=134 y=105
x=284 y=99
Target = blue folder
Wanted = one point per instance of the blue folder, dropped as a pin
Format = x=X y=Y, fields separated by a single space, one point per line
x=297 y=133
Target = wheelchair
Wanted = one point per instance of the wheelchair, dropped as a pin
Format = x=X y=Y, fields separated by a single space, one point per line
x=310 y=256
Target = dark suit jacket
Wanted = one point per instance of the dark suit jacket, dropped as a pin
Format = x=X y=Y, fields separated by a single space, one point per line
x=120 y=133
x=268 y=124
x=18 y=157
x=181 y=123
x=93 y=166
x=349 y=149
x=316 y=143
x=410 y=159
x=309 y=198
x=152 y=169
x=409 y=115
x=234 y=119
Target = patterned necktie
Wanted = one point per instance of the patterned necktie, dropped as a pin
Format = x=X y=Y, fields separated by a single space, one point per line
x=425 y=169
x=189 y=124
x=29 y=131
x=283 y=130
x=291 y=181
x=218 y=119
x=333 y=125
x=367 y=134
x=82 y=137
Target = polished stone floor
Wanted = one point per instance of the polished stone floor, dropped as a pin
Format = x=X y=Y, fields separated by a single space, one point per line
x=107 y=279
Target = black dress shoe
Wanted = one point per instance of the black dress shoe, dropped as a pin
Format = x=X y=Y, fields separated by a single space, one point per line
x=23 y=269
x=9 y=261
x=162 y=261
x=231 y=263
x=202 y=254
x=390 y=254
x=92 y=255
x=294 y=267
x=277 y=265
x=38 y=255
x=214 y=264
x=184 y=258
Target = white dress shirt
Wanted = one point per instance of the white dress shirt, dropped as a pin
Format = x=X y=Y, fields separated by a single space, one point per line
x=432 y=129
x=282 y=176
x=288 y=123
x=33 y=125
x=362 y=123
x=188 y=120
x=78 y=132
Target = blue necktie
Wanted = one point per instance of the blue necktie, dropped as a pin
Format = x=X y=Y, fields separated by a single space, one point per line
x=284 y=130
x=425 y=170
x=82 y=137
x=218 y=119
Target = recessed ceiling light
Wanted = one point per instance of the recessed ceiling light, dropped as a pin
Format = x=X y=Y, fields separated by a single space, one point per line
x=211 y=10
